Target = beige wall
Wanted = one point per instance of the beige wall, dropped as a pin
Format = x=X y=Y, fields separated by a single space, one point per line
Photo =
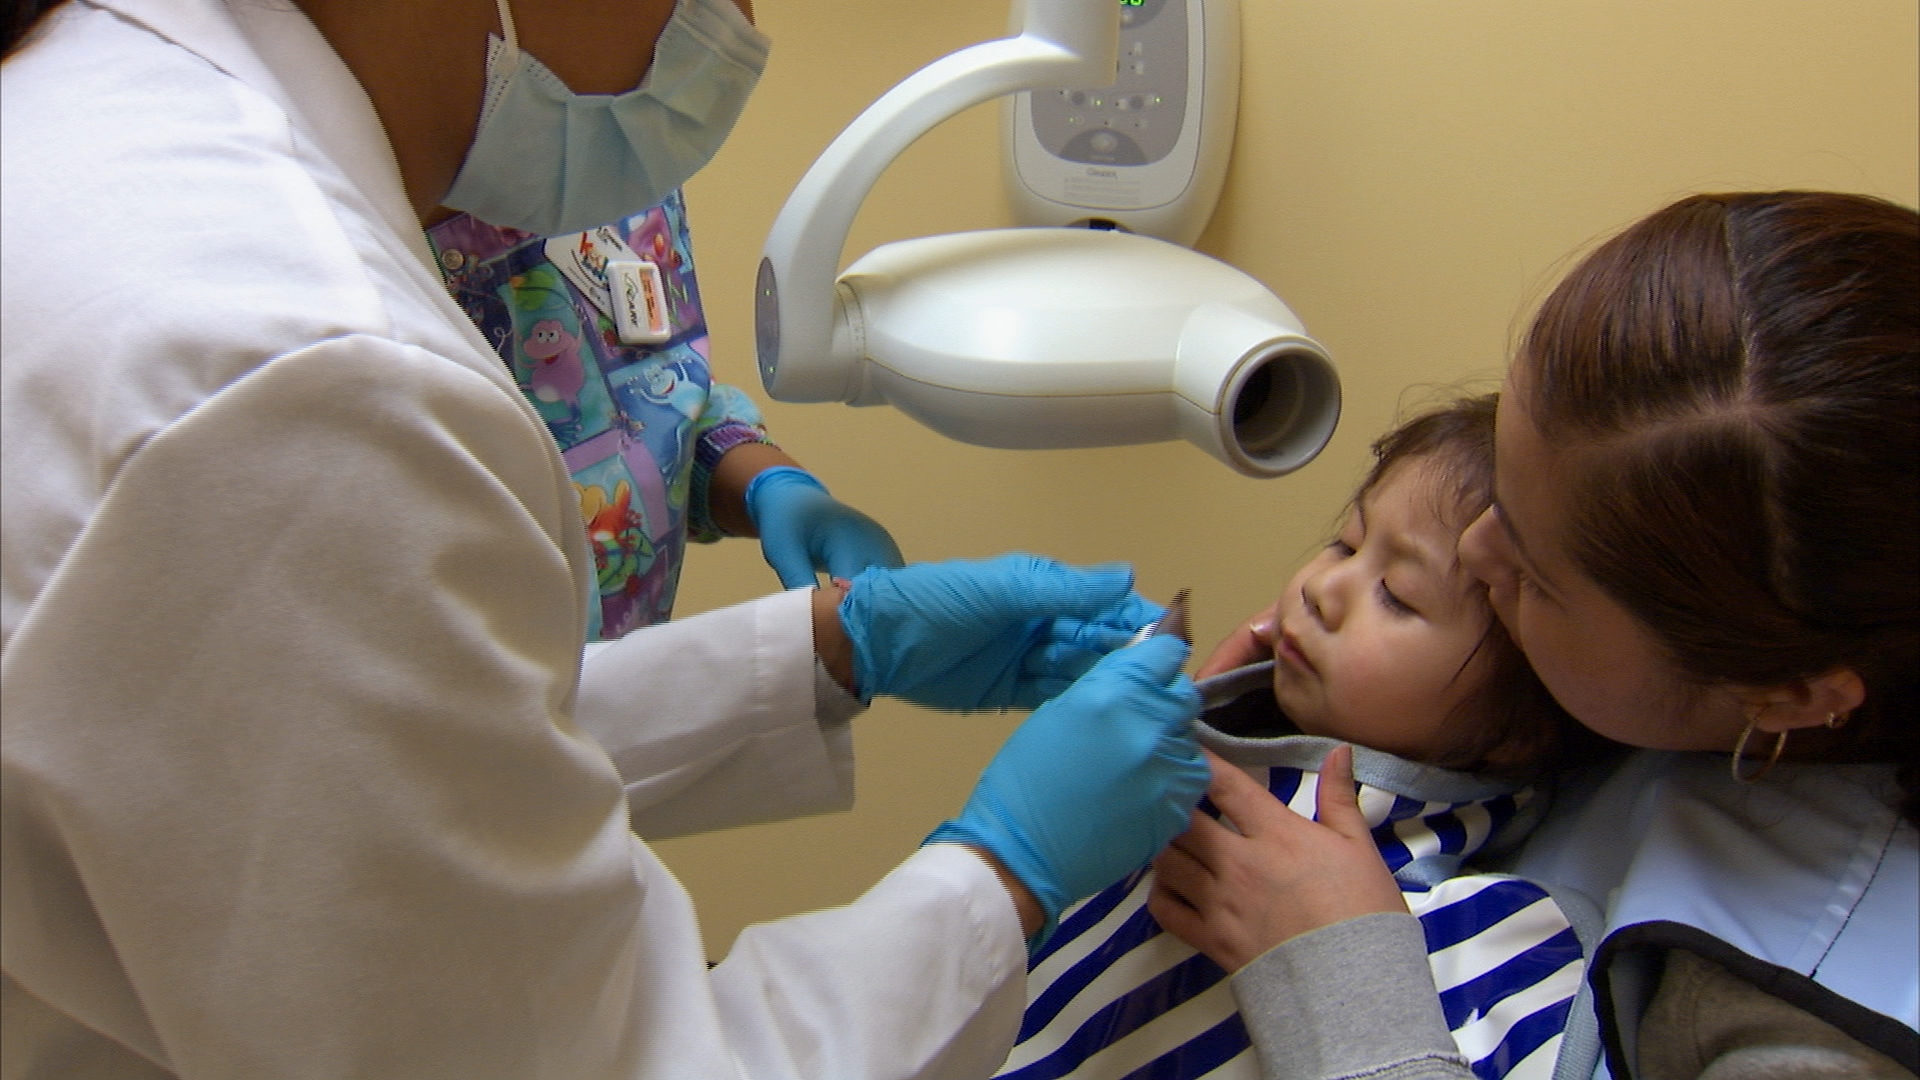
x=1409 y=175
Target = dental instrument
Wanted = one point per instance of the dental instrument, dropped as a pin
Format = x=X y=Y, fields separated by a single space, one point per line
x=1174 y=621
x=1215 y=690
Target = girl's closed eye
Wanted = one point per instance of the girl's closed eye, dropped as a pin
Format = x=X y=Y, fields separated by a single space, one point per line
x=1392 y=602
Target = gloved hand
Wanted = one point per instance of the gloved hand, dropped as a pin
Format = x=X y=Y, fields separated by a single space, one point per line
x=1009 y=632
x=1096 y=781
x=803 y=529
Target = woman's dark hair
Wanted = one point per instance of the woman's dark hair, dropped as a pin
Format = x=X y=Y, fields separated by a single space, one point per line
x=1509 y=724
x=1741 y=376
x=21 y=17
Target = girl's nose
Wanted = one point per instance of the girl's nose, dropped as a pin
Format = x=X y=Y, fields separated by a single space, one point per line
x=1322 y=596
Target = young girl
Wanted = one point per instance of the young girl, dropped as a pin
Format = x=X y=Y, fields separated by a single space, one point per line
x=1383 y=641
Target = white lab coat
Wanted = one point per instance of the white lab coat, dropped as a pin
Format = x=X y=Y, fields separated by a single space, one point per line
x=303 y=776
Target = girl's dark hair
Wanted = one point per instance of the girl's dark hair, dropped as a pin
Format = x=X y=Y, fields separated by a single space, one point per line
x=1741 y=376
x=21 y=17
x=1509 y=724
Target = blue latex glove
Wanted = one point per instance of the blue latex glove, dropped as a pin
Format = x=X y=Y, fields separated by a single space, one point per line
x=1070 y=647
x=1005 y=633
x=1096 y=781
x=803 y=529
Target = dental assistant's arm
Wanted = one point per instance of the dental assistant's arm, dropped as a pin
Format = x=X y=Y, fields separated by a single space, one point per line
x=830 y=641
x=1018 y=632
x=1032 y=916
x=757 y=490
x=735 y=470
x=351 y=773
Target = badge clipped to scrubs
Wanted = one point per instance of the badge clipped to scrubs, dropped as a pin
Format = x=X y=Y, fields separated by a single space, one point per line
x=614 y=278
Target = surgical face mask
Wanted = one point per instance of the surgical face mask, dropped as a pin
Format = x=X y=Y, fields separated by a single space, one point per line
x=547 y=160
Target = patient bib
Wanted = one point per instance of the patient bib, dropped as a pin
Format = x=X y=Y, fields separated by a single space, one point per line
x=1111 y=995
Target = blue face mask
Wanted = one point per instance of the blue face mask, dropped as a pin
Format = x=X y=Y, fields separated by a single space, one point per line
x=547 y=160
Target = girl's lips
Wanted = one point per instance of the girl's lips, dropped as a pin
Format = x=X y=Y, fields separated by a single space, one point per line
x=1290 y=652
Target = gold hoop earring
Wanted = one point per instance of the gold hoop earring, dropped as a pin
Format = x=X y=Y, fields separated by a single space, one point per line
x=1837 y=720
x=1740 y=752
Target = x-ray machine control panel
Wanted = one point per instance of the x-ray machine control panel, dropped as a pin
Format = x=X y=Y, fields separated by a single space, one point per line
x=1147 y=153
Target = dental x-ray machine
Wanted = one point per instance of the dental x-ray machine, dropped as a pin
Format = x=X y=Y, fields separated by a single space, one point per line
x=1031 y=338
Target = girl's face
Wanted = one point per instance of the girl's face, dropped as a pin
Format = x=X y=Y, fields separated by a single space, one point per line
x=1375 y=639
x=1602 y=664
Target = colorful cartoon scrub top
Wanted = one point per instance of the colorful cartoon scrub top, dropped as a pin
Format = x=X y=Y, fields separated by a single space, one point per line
x=629 y=398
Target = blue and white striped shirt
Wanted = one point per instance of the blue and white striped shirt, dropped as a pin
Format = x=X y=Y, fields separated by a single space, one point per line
x=1113 y=996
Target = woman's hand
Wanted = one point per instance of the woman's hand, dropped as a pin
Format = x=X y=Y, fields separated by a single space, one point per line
x=1005 y=633
x=1234 y=895
x=1250 y=642
x=757 y=490
x=1095 y=781
x=804 y=530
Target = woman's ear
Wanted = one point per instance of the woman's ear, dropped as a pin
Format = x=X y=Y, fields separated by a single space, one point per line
x=1822 y=700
